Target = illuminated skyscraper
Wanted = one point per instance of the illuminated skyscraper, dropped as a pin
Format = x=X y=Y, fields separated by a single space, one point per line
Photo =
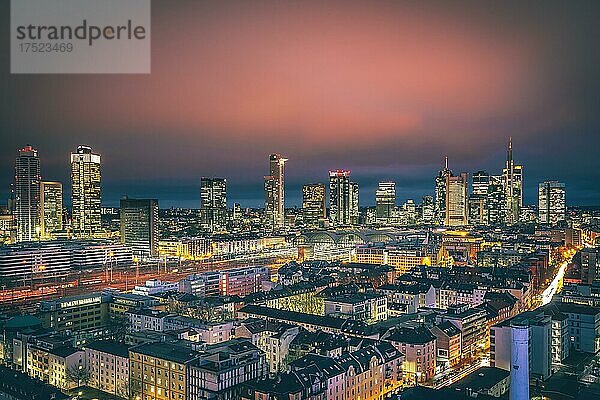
x=314 y=208
x=478 y=198
x=26 y=194
x=440 y=193
x=354 y=210
x=496 y=199
x=481 y=183
x=139 y=225
x=339 y=197
x=513 y=187
x=457 y=189
x=385 y=200
x=51 y=208
x=427 y=210
x=213 y=207
x=552 y=202
x=86 y=200
x=274 y=193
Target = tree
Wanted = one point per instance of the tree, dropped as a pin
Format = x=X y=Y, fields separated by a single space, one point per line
x=77 y=374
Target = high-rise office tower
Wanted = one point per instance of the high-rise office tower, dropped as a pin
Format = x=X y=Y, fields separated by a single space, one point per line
x=477 y=210
x=552 y=202
x=513 y=187
x=457 y=189
x=51 y=208
x=478 y=198
x=480 y=183
x=274 y=193
x=213 y=203
x=440 y=193
x=339 y=197
x=427 y=210
x=495 y=201
x=86 y=200
x=385 y=200
x=26 y=194
x=354 y=200
x=139 y=225
x=314 y=209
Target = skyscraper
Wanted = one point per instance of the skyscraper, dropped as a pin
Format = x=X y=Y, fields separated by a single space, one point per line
x=139 y=225
x=427 y=210
x=51 y=208
x=513 y=187
x=85 y=178
x=480 y=183
x=339 y=197
x=456 y=199
x=213 y=207
x=354 y=201
x=26 y=194
x=314 y=210
x=385 y=200
x=496 y=200
x=551 y=202
x=274 y=193
x=440 y=193
x=478 y=214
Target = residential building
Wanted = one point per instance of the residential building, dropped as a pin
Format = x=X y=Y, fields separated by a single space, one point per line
x=220 y=370
x=368 y=307
x=418 y=345
x=473 y=327
x=272 y=337
x=448 y=344
x=107 y=363
x=160 y=371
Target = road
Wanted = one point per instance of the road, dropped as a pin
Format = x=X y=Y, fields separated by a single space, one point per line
x=456 y=375
x=555 y=285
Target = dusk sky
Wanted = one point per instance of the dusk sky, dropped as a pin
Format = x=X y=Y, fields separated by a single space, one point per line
x=385 y=89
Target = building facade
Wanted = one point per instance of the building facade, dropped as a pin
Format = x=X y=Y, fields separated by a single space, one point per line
x=274 y=193
x=51 y=208
x=552 y=206
x=139 y=225
x=26 y=195
x=314 y=208
x=213 y=204
x=86 y=196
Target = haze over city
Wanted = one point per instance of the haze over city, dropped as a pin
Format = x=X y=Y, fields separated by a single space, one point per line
x=385 y=89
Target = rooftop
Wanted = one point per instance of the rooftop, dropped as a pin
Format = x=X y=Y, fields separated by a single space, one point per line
x=166 y=351
x=482 y=379
x=109 y=346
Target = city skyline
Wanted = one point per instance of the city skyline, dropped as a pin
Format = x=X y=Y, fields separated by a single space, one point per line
x=295 y=199
x=362 y=90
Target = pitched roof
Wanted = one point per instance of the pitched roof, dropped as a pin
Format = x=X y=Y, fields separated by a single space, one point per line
x=416 y=335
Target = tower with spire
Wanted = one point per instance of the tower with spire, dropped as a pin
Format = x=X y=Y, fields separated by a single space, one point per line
x=440 y=192
x=512 y=178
